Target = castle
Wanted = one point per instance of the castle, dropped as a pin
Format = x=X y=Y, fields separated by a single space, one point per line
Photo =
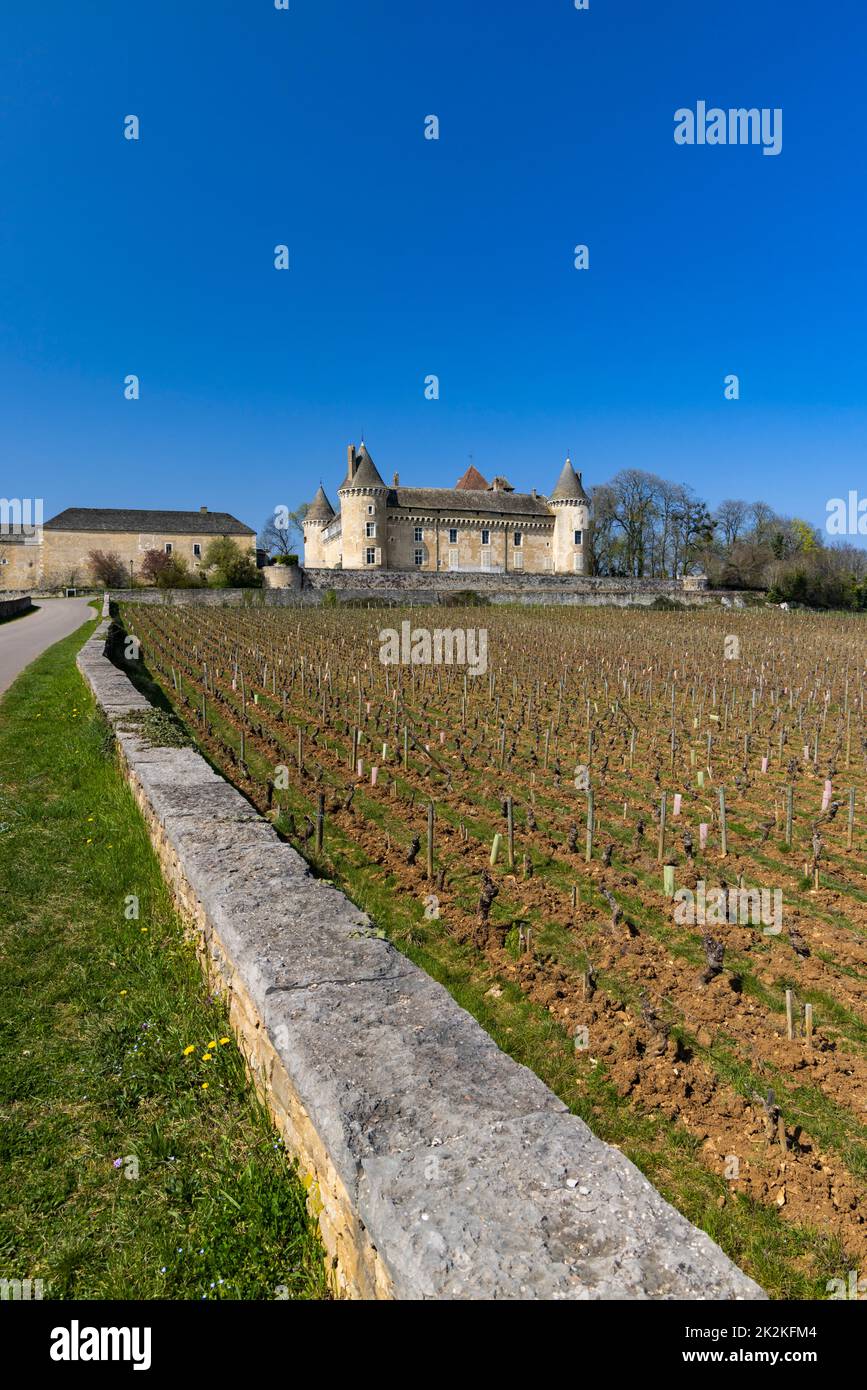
x=474 y=527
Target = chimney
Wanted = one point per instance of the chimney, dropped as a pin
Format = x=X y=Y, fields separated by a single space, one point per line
x=350 y=462
x=395 y=482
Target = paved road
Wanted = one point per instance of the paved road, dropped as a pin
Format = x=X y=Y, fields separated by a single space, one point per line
x=22 y=640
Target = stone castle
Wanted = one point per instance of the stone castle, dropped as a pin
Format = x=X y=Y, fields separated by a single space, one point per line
x=474 y=527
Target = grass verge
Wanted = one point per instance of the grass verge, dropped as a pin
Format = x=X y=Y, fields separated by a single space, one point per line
x=135 y=1159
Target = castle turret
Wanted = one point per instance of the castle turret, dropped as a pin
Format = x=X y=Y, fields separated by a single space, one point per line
x=363 y=502
x=317 y=517
x=571 y=507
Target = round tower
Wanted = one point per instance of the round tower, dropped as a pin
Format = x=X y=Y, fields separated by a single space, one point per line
x=318 y=515
x=571 y=507
x=363 y=506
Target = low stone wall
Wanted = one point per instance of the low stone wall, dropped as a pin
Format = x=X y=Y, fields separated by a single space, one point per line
x=437 y=1167
x=312 y=587
x=12 y=604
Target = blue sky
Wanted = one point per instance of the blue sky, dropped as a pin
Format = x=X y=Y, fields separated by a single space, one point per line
x=412 y=257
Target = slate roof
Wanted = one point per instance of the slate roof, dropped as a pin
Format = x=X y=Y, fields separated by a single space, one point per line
x=144 y=521
x=366 y=474
x=452 y=499
x=569 y=486
x=320 y=508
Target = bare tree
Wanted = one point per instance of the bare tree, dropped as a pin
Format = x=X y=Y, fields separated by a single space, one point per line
x=731 y=519
x=283 y=531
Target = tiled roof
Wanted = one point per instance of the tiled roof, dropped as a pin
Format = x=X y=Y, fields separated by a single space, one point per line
x=144 y=521
x=452 y=499
x=471 y=481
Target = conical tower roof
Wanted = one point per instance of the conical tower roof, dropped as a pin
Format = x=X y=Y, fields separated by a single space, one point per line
x=320 y=508
x=569 y=486
x=366 y=473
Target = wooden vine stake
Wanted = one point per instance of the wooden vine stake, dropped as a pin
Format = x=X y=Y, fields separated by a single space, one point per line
x=430 y=839
x=320 y=822
x=790 y=1021
x=591 y=824
x=510 y=822
x=851 y=822
x=724 y=841
x=660 y=852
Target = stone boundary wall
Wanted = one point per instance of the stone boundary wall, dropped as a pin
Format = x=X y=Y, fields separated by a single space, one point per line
x=20 y=603
x=438 y=1168
x=410 y=589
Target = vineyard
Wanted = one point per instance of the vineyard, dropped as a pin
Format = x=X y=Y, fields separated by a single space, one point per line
x=583 y=841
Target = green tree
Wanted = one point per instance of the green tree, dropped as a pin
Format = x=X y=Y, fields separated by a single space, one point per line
x=229 y=567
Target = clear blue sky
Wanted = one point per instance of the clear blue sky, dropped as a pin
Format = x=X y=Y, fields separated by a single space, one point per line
x=411 y=257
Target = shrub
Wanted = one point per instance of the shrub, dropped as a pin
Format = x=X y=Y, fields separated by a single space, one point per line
x=109 y=569
x=168 y=571
x=230 y=567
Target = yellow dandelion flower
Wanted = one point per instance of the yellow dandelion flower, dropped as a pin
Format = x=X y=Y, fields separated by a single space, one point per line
x=223 y=1041
x=143 y=928
x=205 y=1085
x=188 y=1050
x=212 y=1045
x=123 y=992
x=206 y=1057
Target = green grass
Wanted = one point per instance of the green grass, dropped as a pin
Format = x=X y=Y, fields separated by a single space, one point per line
x=98 y=1008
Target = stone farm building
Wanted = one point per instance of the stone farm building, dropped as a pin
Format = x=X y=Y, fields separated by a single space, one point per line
x=473 y=527
x=56 y=555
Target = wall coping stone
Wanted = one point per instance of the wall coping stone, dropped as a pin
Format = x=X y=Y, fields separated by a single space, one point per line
x=437 y=1166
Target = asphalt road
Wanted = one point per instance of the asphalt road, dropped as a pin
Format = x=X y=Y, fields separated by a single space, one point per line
x=22 y=640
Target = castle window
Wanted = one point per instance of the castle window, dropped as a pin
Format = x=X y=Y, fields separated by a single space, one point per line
x=518 y=541
x=578 y=536
x=419 y=556
x=453 y=535
x=371 y=530
x=371 y=509
x=169 y=547
x=486 y=538
x=370 y=555
x=419 y=534
x=197 y=550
